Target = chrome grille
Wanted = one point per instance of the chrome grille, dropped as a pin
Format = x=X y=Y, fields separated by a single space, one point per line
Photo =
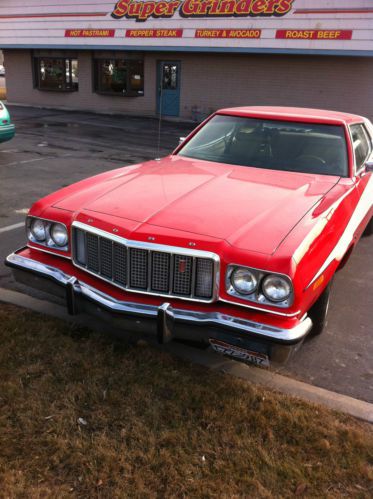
x=144 y=269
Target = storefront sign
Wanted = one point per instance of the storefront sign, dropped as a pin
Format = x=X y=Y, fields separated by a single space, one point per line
x=316 y=34
x=240 y=26
x=142 y=10
x=154 y=33
x=89 y=33
x=228 y=33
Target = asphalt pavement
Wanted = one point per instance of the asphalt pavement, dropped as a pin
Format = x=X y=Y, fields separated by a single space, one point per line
x=54 y=148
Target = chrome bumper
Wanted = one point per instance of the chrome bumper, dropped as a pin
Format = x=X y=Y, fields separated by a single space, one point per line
x=165 y=321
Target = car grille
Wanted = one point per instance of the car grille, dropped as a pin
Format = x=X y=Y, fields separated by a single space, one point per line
x=145 y=269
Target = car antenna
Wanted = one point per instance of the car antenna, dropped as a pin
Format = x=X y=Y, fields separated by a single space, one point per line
x=158 y=158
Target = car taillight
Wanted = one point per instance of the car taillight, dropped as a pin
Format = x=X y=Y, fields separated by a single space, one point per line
x=5 y=122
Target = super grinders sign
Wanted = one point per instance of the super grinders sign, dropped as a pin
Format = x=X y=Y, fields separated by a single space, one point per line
x=142 y=10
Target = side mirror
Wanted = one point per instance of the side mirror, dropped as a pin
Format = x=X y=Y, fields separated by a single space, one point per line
x=369 y=166
x=181 y=140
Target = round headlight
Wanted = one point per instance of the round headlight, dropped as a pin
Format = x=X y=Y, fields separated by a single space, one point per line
x=276 y=288
x=244 y=281
x=37 y=229
x=59 y=234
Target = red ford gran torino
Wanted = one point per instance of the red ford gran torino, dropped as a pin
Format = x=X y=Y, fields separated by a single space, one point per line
x=232 y=240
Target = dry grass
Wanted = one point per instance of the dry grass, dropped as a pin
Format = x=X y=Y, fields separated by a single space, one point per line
x=157 y=427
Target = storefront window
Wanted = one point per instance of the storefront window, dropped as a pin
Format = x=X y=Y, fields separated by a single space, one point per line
x=119 y=77
x=59 y=74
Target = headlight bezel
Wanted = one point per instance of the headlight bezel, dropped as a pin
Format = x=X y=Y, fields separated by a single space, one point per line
x=48 y=242
x=258 y=297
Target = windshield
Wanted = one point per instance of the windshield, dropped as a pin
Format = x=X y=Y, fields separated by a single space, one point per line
x=275 y=145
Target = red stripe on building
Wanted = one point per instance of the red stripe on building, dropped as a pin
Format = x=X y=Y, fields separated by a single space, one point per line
x=67 y=14
x=333 y=11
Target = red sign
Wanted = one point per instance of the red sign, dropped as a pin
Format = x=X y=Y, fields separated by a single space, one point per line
x=142 y=10
x=314 y=34
x=228 y=33
x=90 y=33
x=154 y=33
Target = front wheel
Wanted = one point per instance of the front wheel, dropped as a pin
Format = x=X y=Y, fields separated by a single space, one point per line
x=319 y=312
x=369 y=229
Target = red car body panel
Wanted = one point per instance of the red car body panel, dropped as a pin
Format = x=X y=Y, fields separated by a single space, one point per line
x=284 y=222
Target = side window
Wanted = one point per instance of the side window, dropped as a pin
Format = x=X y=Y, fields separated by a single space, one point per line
x=362 y=144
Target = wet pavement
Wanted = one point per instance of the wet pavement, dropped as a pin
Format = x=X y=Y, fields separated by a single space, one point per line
x=53 y=149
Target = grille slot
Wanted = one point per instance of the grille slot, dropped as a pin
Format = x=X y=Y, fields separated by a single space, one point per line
x=160 y=272
x=106 y=257
x=182 y=275
x=120 y=263
x=138 y=268
x=144 y=270
x=92 y=253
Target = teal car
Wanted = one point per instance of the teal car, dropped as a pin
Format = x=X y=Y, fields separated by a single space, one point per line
x=7 y=129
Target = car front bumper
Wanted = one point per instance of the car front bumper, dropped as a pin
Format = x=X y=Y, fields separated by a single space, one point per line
x=7 y=132
x=166 y=322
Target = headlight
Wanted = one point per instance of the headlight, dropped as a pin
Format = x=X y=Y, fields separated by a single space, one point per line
x=276 y=288
x=47 y=233
x=59 y=234
x=244 y=281
x=37 y=229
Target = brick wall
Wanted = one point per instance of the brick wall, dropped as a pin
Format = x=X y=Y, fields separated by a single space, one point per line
x=337 y=83
x=213 y=81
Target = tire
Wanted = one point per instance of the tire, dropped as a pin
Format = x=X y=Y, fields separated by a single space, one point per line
x=319 y=312
x=369 y=228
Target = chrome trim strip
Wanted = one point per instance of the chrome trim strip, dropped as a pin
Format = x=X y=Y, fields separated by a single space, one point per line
x=260 y=309
x=47 y=251
x=151 y=311
x=146 y=245
x=153 y=247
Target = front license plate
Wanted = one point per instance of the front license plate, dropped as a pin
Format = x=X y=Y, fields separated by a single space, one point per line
x=259 y=359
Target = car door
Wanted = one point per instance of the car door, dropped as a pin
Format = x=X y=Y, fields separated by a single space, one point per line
x=363 y=149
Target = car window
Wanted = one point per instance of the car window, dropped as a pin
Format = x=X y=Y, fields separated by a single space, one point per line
x=362 y=144
x=270 y=144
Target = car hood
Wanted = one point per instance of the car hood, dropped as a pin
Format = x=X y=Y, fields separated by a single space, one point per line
x=250 y=208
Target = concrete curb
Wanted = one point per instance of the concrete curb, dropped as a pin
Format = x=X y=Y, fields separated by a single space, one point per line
x=269 y=379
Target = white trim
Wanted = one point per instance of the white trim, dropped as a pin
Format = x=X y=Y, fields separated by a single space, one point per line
x=361 y=210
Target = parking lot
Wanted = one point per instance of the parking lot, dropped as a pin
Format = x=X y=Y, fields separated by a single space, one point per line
x=55 y=148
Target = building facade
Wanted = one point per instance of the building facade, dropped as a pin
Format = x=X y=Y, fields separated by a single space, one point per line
x=186 y=58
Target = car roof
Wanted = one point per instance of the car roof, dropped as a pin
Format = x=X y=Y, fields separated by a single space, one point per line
x=299 y=114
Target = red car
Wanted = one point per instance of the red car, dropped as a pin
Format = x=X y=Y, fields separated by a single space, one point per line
x=232 y=240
